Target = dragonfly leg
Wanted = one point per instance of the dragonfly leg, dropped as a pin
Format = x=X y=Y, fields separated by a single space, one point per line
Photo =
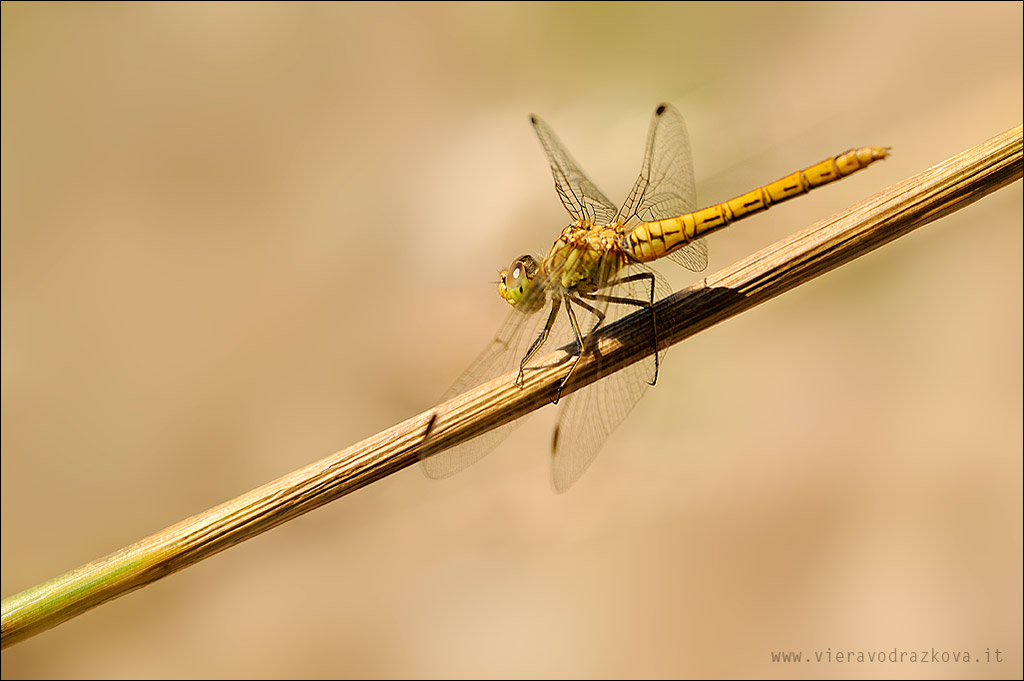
x=578 y=299
x=579 y=339
x=649 y=304
x=539 y=342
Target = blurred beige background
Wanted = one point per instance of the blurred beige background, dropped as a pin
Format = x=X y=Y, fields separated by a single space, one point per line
x=237 y=238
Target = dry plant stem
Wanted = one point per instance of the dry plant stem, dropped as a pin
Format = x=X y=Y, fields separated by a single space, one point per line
x=917 y=201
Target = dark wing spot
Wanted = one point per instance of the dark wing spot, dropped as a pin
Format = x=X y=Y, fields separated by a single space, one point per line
x=660 y=110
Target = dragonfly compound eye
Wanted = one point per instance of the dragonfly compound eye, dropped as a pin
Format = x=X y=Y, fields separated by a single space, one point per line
x=516 y=281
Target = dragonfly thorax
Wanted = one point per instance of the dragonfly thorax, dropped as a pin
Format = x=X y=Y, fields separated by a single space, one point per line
x=585 y=258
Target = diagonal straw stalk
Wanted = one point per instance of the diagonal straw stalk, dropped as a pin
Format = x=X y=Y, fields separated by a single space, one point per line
x=913 y=203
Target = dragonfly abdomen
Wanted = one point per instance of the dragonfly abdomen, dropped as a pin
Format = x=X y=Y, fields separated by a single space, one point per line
x=652 y=240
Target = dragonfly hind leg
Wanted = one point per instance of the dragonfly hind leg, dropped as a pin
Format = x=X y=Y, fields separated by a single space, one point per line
x=648 y=304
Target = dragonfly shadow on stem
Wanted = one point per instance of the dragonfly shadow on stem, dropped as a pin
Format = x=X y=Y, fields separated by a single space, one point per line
x=626 y=341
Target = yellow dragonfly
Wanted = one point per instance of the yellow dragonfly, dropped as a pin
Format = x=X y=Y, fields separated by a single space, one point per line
x=595 y=272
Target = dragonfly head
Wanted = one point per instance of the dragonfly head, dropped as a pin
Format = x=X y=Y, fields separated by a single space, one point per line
x=516 y=285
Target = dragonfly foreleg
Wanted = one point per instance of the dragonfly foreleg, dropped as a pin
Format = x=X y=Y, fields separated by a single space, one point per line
x=579 y=337
x=539 y=342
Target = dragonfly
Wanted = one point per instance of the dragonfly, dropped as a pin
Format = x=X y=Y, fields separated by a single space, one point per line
x=597 y=272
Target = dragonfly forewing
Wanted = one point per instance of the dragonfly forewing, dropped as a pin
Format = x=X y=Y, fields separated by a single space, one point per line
x=666 y=186
x=581 y=197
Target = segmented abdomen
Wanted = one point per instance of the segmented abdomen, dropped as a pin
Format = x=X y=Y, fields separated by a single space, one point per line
x=652 y=240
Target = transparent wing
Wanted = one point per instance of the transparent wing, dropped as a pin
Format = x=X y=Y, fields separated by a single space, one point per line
x=693 y=256
x=497 y=359
x=502 y=356
x=579 y=195
x=590 y=415
x=665 y=188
